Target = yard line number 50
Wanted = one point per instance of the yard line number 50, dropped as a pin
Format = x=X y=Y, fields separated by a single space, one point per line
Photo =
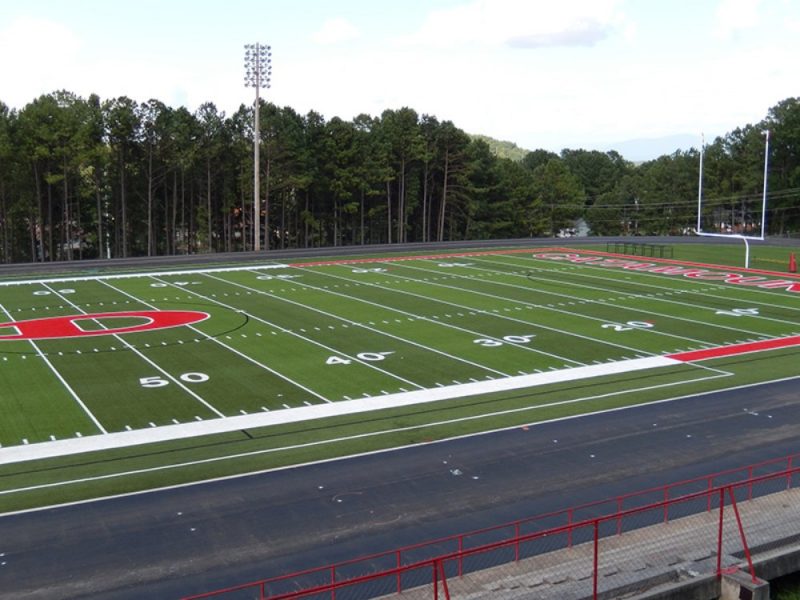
x=157 y=382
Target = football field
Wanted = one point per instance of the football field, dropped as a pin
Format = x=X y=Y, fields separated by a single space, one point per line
x=281 y=356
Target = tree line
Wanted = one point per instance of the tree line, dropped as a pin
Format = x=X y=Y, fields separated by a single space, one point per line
x=91 y=178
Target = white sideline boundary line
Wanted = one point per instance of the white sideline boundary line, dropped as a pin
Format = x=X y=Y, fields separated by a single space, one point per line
x=122 y=439
x=139 y=274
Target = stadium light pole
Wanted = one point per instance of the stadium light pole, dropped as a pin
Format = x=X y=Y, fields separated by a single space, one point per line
x=764 y=196
x=700 y=182
x=258 y=74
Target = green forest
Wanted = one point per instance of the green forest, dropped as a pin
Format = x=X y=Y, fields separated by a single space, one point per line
x=91 y=178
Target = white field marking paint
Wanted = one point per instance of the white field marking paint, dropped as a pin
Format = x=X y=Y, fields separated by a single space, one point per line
x=302 y=337
x=657 y=299
x=198 y=271
x=360 y=325
x=226 y=346
x=61 y=379
x=551 y=308
x=432 y=320
x=293 y=333
x=123 y=439
x=363 y=436
x=660 y=276
x=580 y=271
x=499 y=316
x=530 y=305
x=149 y=361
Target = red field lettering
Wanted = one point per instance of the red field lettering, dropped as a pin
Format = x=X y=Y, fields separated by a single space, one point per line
x=68 y=326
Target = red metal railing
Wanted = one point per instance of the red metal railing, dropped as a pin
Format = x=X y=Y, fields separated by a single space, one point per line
x=433 y=556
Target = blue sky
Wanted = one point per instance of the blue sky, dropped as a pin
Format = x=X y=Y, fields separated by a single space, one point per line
x=550 y=74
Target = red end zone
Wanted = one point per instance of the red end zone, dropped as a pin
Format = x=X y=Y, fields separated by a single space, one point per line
x=68 y=326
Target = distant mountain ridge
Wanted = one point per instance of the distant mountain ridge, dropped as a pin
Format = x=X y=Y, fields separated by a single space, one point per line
x=636 y=150
x=502 y=148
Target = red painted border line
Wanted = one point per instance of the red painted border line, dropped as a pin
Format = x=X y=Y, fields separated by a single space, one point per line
x=736 y=349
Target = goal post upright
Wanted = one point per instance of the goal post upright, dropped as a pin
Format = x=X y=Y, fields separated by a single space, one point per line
x=745 y=238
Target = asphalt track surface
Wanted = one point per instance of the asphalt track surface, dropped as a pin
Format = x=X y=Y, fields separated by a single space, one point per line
x=187 y=540
x=167 y=544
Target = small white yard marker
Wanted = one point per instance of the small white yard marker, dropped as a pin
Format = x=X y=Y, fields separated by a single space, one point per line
x=347 y=397
x=52 y=438
x=25 y=441
x=286 y=406
x=78 y=434
x=196 y=418
x=151 y=424
x=176 y=421
x=265 y=409
x=243 y=411
x=307 y=403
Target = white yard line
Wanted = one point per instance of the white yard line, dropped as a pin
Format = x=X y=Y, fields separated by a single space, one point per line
x=544 y=307
x=290 y=332
x=492 y=314
x=220 y=342
x=140 y=274
x=360 y=325
x=60 y=378
x=660 y=277
x=563 y=359
x=632 y=295
x=138 y=353
x=123 y=439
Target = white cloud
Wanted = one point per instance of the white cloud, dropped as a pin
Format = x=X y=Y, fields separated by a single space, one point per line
x=521 y=23
x=335 y=31
x=733 y=16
